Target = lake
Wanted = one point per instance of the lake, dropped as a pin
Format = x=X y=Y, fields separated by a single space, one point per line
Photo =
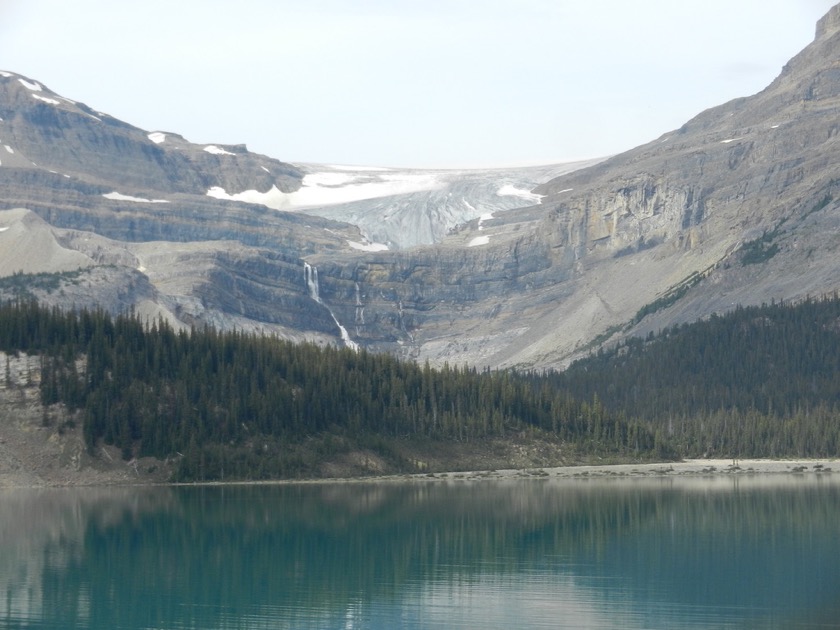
x=759 y=551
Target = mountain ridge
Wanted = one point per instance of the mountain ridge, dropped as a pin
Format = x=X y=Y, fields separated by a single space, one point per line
x=737 y=206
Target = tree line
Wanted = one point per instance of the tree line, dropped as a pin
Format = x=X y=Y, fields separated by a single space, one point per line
x=232 y=404
x=760 y=381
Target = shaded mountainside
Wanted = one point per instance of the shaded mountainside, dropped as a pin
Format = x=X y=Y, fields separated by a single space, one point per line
x=230 y=405
x=759 y=381
x=85 y=398
x=209 y=234
x=739 y=206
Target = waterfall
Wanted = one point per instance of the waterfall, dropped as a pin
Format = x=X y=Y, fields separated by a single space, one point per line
x=360 y=309
x=310 y=277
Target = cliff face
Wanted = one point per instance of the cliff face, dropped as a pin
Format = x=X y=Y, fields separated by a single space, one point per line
x=738 y=206
x=655 y=236
x=52 y=133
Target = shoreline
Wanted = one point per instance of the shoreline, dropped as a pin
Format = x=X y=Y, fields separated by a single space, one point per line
x=683 y=468
x=688 y=468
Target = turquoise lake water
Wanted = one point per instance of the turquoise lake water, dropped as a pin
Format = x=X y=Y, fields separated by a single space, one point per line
x=722 y=552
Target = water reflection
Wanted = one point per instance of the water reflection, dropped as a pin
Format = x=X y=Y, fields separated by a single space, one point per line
x=704 y=553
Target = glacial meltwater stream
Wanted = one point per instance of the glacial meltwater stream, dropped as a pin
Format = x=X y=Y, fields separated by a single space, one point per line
x=310 y=276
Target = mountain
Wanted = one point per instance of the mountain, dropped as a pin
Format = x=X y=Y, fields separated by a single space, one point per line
x=738 y=206
x=402 y=208
x=207 y=234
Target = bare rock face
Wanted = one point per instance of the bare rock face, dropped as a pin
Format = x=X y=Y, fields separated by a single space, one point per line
x=59 y=135
x=740 y=205
x=655 y=236
x=829 y=24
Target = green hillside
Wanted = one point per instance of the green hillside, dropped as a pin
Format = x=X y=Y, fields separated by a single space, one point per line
x=759 y=381
x=238 y=406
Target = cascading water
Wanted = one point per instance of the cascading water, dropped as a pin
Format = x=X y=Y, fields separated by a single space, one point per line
x=310 y=276
x=360 y=309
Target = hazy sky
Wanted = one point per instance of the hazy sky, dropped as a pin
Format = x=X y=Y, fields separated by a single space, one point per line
x=407 y=82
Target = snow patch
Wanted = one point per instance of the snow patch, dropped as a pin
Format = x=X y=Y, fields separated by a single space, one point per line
x=565 y=190
x=727 y=141
x=329 y=188
x=342 y=167
x=509 y=190
x=157 y=137
x=3 y=229
x=483 y=218
x=9 y=149
x=212 y=148
x=479 y=240
x=273 y=198
x=35 y=87
x=328 y=179
x=265 y=169
x=51 y=101
x=774 y=126
x=7 y=75
x=115 y=196
x=369 y=247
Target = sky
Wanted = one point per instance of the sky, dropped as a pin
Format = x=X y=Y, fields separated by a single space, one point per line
x=407 y=83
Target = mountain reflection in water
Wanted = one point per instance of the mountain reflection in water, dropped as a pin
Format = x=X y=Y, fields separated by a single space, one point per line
x=704 y=552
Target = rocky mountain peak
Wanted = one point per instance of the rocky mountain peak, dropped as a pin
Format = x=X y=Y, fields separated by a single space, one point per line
x=741 y=205
x=829 y=24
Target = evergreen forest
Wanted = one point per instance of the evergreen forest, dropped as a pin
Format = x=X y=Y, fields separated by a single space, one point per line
x=230 y=405
x=760 y=381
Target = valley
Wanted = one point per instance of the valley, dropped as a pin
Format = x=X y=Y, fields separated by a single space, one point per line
x=524 y=267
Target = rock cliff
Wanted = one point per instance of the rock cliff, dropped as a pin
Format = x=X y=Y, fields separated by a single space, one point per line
x=738 y=206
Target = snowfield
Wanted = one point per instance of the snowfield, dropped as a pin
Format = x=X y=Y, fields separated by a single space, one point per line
x=45 y=99
x=399 y=208
x=328 y=188
x=509 y=190
x=34 y=86
x=212 y=148
x=115 y=196
x=369 y=247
